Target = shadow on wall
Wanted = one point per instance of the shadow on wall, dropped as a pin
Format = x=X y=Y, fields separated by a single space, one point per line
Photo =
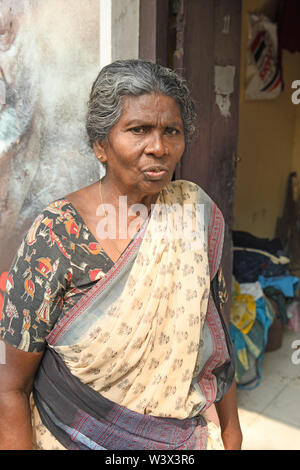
x=49 y=57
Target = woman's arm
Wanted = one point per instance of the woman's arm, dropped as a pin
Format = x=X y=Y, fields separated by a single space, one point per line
x=227 y=408
x=16 y=380
x=229 y=421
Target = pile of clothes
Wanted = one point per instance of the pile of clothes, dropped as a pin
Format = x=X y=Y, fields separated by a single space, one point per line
x=263 y=292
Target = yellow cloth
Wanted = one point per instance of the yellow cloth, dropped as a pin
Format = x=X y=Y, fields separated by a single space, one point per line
x=242 y=310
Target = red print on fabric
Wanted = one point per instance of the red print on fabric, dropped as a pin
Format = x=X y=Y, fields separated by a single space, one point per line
x=3 y=278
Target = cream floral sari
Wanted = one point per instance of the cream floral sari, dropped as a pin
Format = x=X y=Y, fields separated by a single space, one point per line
x=148 y=337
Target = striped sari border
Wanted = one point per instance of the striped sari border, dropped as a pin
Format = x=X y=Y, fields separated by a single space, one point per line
x=215 y=239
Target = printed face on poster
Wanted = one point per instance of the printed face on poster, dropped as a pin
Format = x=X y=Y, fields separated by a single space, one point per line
x=49 y=58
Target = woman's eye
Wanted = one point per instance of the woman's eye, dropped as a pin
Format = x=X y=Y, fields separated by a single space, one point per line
x=139 y=130
x=171 y=131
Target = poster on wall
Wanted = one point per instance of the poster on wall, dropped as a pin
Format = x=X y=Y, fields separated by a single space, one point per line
x=263 y=73
x=49 y=58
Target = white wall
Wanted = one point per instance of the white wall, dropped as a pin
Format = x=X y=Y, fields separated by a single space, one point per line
x=119 y=30
x=50 y=53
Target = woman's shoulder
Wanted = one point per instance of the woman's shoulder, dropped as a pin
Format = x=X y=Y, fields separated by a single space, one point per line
x=70 y=205
x=51 y=220
x=59 y=218
x=189 y=187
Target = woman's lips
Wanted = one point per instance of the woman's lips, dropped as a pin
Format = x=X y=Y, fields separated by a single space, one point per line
x=155 y=173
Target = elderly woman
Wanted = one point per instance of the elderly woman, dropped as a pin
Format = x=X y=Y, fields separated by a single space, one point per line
x=111 y=319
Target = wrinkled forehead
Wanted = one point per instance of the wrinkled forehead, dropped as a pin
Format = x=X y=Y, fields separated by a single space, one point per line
x=151 y=105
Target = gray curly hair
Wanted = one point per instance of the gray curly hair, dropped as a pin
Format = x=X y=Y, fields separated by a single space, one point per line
x=134 y=77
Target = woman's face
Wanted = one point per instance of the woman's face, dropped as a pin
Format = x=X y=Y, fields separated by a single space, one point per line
x=145 y=145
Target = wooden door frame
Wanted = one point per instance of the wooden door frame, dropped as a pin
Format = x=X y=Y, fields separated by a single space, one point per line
x=154 y=31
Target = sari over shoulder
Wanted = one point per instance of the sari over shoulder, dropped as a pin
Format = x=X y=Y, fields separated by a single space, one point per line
x=138 y=359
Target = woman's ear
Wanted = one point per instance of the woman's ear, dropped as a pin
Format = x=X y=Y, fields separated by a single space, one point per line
x=99 y=152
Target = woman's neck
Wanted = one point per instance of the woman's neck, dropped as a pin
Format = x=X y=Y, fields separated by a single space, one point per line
x=112 y=193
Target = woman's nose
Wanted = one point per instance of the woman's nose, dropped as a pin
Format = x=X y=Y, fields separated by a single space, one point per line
x=155 y=145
